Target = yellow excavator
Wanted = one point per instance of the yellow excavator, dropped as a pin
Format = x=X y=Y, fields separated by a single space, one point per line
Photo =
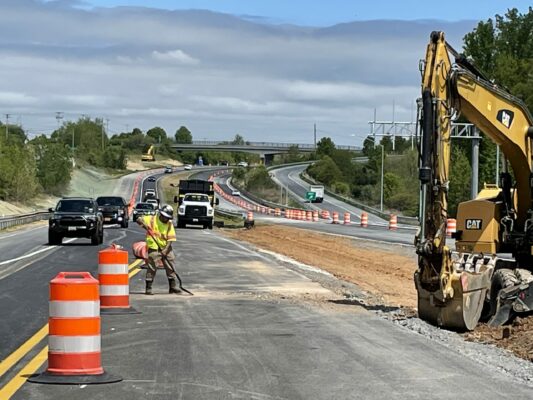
x=488 y=276
x=148 y=153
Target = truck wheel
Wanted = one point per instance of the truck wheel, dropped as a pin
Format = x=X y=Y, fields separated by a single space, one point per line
x=502 y=278
x=54 y=239
x=181 y=225
x=95 y=238
x=210 y=225
x=124 y=223
x=101 y=236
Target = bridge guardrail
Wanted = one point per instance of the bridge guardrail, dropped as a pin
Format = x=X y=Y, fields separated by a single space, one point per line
x=15 y=220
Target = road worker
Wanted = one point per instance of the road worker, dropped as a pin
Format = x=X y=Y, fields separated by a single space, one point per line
x=159 y=237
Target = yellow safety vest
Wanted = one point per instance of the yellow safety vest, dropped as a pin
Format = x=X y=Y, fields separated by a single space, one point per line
x=161 y=232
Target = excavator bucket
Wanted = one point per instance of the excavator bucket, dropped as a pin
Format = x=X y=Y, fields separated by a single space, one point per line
x=512 y=300
x=463 y=309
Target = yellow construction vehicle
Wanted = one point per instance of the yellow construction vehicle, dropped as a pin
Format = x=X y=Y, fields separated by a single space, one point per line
x=148 y=153
x=457 y=289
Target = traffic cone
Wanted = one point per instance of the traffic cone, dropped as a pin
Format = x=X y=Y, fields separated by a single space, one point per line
x=74 y=352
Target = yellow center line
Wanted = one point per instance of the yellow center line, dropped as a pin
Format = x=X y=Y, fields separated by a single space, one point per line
x=25 y=348
x=14 y=384
x=14 y=357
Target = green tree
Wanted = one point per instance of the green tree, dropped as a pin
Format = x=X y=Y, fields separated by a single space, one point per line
x=157 y=133
x=54 y=165
x=460 y=176
x=238 y=140
x=183 y=135
x=325 y=147
x=325 y=171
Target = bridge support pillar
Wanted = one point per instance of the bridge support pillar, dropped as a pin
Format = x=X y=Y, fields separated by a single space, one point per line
x=266 y=159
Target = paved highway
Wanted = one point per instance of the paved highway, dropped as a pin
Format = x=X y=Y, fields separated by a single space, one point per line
x=256 y=328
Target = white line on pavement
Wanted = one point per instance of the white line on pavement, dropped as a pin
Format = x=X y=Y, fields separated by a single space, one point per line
x=33 y=253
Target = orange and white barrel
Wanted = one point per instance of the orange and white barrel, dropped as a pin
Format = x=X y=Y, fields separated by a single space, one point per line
x=315 y=216
x=113 y=277
x=309 y=215
x=324 y=214
x=277 y=212
x=451 y=226
x=140 y=250
x=250 y=216
x=288 y=213
x=263 y=210
x=347 y=220
x=335 y=217
x=364 y=219
x=74 y=325
x=393 y=222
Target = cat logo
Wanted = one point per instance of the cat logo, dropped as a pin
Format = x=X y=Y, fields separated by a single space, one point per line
x=505 y=117
x=473 y=224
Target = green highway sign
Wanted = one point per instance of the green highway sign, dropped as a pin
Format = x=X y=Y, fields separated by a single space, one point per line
x=310 y=195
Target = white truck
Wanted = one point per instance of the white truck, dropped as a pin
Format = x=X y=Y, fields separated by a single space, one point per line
x=319 y=193
x=196 y=203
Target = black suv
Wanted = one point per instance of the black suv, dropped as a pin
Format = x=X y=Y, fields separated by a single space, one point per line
x=76 y=217
x=114 y=209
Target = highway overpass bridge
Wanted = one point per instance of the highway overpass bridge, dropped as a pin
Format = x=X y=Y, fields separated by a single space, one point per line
x=266 y=150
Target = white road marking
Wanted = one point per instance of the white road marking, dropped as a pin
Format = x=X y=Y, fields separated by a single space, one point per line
x=34 y=253
x=21 y=232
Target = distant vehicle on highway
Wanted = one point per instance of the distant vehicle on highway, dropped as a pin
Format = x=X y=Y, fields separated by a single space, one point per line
x=188 y=167
x=142 y=209
x=76 y=217
x=235 y=193
x=168 y=170
x=243 y=164
x=151 y=179
x=114 y=209
x=148 y=193
x=154 y=202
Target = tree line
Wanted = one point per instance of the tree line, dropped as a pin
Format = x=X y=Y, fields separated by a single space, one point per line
x=502 y=48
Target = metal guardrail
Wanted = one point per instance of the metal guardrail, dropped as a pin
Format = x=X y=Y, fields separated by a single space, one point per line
x=16 y=220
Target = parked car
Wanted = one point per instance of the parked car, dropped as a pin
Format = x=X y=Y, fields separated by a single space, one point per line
x=142 y=209
x=114 y=209
x=235 y=192
x=168 y=170
x=76 y=217
x=188 y=167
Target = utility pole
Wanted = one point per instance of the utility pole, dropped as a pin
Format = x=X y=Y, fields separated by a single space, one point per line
x=7 y=125
x=382 y=163
x=59 y=117
x=102 y=134
x=315 y=138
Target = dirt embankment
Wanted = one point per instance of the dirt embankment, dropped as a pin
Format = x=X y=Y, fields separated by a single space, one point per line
x=385 y=273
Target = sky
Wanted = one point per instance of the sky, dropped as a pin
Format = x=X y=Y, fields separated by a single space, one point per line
x=266 y=70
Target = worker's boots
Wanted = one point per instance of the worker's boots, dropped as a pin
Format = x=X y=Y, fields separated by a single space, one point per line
x=148 y=288
x=172 y=287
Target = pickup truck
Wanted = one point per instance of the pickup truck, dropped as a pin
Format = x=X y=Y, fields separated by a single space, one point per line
x=76 y=217
x=114 y=209
x=196 y=203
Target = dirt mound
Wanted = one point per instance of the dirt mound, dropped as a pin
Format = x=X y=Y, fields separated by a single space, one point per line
x=386 y=273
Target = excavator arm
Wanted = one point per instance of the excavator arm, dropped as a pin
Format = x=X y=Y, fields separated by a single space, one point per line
x=452 y=288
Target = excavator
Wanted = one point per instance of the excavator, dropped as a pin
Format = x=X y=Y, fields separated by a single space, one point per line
x=148 y=153
x=488 y=277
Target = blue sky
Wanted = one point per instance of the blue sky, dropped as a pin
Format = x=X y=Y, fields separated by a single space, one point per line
x=323 y=13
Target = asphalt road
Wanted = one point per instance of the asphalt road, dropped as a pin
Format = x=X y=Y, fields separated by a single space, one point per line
x=256 y=328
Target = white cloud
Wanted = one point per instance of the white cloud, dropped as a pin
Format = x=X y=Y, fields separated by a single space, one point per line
x=175 y=56
x=214 y=73
x=13 y=99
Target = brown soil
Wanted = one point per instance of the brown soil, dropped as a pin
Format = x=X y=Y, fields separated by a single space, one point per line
x=387 y=274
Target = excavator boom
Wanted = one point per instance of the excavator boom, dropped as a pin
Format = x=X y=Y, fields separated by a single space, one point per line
x=453 y=287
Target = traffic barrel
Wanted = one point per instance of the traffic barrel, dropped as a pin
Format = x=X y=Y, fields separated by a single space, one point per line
x=309 y=216
x=74 y=350
x=393 y=222
x=335 y=217
x=249 y=222
x=113 y=276
x=347 y=218
x=324 y=214
x=288 y=213
x=315 y=216
x=451 y=226
x=277 y=212
x=364 y=219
